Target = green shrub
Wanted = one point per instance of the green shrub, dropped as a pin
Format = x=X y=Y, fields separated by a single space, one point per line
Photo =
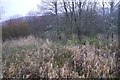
x=73 y=42
x=93 y=41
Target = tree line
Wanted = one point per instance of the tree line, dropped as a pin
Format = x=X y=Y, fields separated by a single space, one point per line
x=84 y=17
x=79 y=18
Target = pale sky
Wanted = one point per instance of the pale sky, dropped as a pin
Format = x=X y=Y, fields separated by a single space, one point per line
x=18 y=7
x=22 y=7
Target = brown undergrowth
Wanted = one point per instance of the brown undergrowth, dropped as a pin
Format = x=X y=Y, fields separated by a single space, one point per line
x=32 y=58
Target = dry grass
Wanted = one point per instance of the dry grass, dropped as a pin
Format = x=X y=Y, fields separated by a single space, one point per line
x=26 y=58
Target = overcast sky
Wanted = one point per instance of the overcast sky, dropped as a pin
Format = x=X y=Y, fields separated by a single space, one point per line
x=21 y=7
x=18 y=7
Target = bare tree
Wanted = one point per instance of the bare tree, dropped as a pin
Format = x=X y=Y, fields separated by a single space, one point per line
x=55 y=3
x=1 y=12
x=68 y=17
x=104 y=20
x=52 y=7
x=111 y=18
x=66 y=12
x=79 y=18
x=119 y=24
x=118 y=54
x=73 y=14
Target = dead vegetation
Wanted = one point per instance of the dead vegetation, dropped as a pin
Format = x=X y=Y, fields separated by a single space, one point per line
x=32 y=58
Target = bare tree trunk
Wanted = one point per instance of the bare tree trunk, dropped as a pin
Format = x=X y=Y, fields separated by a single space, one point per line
x=1 y=52
x=118 y=54
x=93 y=17
x=79 y=27
x=73 y=17
x=111 y=18
x=0 y=45
x=56 y=17
x=66 y=28
x=119 y=25
x=104 y=19
x=56 y=12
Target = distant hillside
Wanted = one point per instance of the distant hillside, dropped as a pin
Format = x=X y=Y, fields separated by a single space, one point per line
x=24 y=26
x=89 y=23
